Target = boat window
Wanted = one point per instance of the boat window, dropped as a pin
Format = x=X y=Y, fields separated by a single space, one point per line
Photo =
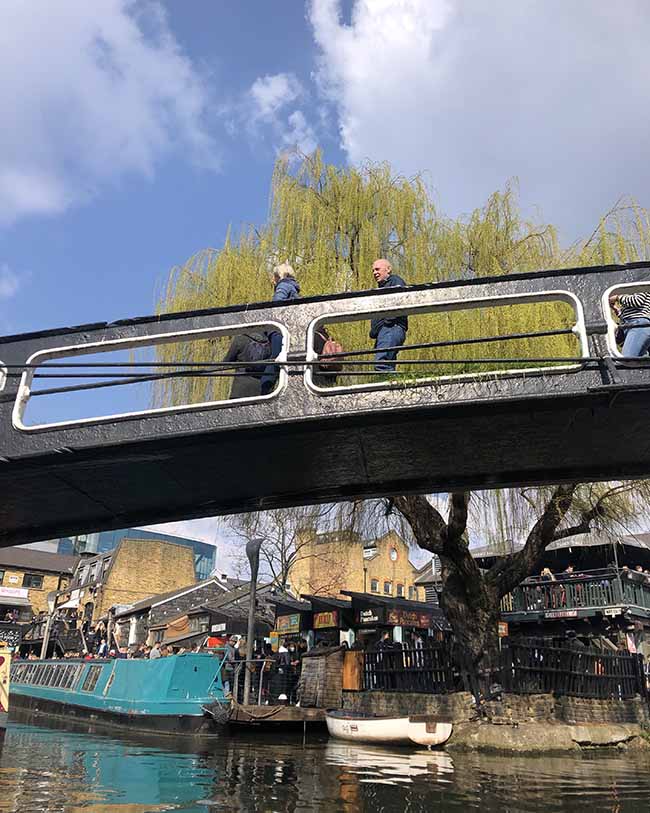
x=91 y=678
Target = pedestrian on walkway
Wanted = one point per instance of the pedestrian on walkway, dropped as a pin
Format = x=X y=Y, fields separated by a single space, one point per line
x=389 y=332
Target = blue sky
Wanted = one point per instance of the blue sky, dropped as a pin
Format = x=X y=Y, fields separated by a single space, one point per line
x=134 y=132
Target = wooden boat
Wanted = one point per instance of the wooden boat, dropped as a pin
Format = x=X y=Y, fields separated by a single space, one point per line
x=165 y=695
x=358 y=727
x=426 y=730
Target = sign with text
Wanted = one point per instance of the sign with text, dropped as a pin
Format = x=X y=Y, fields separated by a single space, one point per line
x=288 y=623
x=502 y=627
x=409 y=618
x=14 y=592
x=374 y=616
x=325 y=620
x=561 y=614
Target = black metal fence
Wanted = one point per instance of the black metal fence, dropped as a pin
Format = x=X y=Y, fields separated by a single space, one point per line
x=521 y=667
x=427 y=669
x=530 y=668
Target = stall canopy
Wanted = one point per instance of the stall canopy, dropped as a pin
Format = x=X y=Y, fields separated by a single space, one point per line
x=396 y=612
x=15 y=601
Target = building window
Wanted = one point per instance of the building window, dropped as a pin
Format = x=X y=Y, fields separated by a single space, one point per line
x=2 y=575
x=33 y=580
x=388 y=588
x=374 y=586
x=400 y=590
x=412 y=593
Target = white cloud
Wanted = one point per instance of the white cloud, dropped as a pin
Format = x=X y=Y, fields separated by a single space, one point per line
x=89 y=93
x=271 y=105
x=270 y=94
x=9 y=282
x=476 y=92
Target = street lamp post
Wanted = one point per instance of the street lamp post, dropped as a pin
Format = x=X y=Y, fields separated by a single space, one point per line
x=253 y=553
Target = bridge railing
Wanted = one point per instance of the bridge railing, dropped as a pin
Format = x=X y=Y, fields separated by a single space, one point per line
x=597 y=588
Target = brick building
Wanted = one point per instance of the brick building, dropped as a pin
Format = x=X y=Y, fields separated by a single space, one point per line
x=327 y=563
x=28 y=576
x=135 y=570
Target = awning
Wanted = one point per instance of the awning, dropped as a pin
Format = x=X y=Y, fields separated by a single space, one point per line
x=15 y=601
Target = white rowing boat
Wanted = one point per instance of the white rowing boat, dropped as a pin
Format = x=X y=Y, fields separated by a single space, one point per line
x=387 y=730
x=357 y=727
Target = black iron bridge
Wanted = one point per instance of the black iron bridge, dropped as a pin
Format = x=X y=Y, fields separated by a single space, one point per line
x=519 y=422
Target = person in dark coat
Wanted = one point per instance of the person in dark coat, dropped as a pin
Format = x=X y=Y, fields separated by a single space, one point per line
x=286 y=288
x=387 y=331
x=248 y=381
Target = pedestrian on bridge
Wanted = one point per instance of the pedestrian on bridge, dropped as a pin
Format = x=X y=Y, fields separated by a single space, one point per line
x=389 y=332
x=633 y=311
x=286 y=288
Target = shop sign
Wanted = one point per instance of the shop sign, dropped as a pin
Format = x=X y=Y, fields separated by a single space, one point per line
x=561 y=614
x=288 y=623
x=374 y=616
x=612 y=612
x=13 y=580
x=14 y=592
x=218 y=628
x=503 y=629
x=409 y=618
x=325 y=620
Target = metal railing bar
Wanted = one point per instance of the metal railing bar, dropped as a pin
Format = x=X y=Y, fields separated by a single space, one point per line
x=129 y=379
x=342 y=354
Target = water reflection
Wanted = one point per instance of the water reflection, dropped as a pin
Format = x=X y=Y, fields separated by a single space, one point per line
x=44 y=769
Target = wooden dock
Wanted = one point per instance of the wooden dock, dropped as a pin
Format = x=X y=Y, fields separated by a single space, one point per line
x=274 y=715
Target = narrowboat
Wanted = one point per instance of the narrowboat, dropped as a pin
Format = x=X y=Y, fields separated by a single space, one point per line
x=164 y=696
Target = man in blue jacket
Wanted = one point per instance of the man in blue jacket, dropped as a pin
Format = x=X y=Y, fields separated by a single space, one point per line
x=387 y=331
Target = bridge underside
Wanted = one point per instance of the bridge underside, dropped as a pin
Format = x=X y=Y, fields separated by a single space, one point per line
x=585 y=421
x=596 y=437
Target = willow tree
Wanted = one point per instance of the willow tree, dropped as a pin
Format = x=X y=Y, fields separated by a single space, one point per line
x=330 y=223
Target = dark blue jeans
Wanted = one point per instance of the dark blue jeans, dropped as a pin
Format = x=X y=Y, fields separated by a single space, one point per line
x=271 y=371
x=392 y=336
x=637 y=338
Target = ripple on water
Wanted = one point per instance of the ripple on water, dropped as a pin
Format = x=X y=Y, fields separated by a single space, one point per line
x=43 y=770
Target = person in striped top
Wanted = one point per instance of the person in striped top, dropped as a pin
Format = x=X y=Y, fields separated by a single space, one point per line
x=633 y=311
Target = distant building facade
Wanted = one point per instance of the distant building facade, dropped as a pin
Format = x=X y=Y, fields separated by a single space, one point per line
x=327 y=563
x=135 y=570
x=106 y=541
x=28 y=576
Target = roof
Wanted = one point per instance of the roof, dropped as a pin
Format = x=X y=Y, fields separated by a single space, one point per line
x=328 y=601
x=427 y=576
x=389 y=601
x=31 y=559
x=290 y=603
x=590 y=540
x=161 y=598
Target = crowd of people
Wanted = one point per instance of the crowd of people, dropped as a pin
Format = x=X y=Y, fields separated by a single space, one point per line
x=278 y=672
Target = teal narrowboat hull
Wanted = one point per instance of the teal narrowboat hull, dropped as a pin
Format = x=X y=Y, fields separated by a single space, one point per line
x=166 y=695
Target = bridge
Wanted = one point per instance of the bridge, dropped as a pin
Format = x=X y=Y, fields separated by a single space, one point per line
x=524 y=421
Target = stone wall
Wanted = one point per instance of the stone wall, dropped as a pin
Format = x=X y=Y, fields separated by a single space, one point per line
x=459 y=707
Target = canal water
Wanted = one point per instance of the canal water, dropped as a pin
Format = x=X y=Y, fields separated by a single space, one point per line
x=43 y=770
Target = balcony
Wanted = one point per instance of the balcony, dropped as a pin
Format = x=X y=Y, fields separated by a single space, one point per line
x=607 y=592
